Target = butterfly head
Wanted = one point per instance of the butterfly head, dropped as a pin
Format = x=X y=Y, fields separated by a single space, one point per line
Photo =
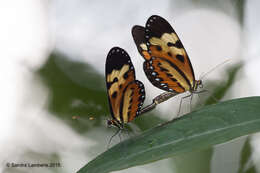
x=198 y=83
x=114 y=123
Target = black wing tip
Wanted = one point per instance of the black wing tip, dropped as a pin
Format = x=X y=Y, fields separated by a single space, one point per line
x=157 y=25
x=155 y=17
x=116 y=58
x=115 y=49
x=137 y=28
x=138 y=33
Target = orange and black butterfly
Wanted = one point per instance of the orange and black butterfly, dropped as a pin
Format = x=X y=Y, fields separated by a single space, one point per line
x=167 y=64
x=125 y=94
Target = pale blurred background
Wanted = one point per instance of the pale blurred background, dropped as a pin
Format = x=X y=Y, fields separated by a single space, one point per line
x=53 y=58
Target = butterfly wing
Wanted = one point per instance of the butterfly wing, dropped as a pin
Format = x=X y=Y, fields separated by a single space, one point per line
x=169 y=67
x=160 y=74
x=132 y=101
x=125 y=94
x=138 y=33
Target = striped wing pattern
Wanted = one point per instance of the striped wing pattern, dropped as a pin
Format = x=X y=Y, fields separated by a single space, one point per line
x=167 y=64
x=125 y=94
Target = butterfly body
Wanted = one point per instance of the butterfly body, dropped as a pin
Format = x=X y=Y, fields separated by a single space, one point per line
x=167 y=65
x=125 y=94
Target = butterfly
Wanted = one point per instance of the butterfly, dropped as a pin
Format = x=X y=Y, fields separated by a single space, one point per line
x=167 y=64
x=125 y=94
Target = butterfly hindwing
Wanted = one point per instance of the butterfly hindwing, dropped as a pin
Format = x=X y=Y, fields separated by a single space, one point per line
x=160 y=73
x=132 y=101
x=122 y=88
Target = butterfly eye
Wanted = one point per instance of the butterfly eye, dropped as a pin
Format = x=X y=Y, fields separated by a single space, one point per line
x=109 y=123
x=199 y=83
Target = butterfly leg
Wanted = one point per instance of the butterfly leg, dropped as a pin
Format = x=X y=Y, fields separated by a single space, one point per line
x=119 y=135
x=200 y=103
x=191 y=101
x=128 y=132
x=178 y=115
x=110 y=140
x=212 y=96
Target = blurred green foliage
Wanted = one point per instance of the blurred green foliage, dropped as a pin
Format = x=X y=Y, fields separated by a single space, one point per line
x=76 y=92
x=246 y=165
x=218 y=89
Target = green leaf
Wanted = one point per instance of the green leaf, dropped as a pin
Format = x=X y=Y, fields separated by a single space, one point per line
x=194 y=160
x=201 y=129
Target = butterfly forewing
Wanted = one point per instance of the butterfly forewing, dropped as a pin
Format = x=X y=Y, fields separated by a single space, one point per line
x=169 y=60
x=122 y=88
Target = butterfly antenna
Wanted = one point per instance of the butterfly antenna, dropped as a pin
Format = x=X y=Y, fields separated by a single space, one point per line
x=214 y=68
x=211 y=96
x=128 y=133
x=199 y=100
x=110 y=140
x=119 y=135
